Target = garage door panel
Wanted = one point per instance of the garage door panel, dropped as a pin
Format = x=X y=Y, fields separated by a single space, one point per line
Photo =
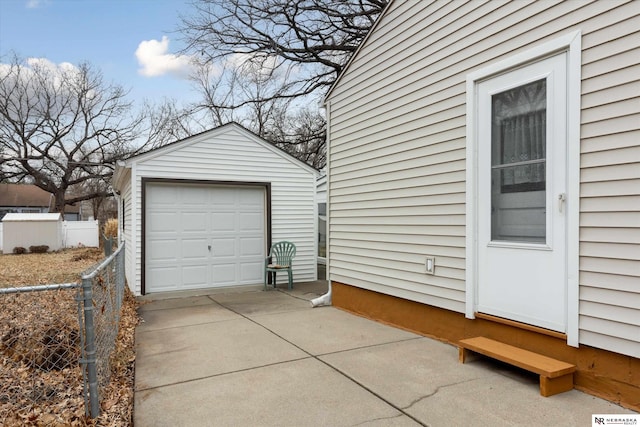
x=195 y=196
x=252 y=272
x=167 y=196
x=195 y=249
x=162 y=221
x=225 y=198
x=224 y=274
x=194 y=221
x=164 y=278
x=194 y=276
x=224 y=221
x=251 y=246
x=223 y=247
x=165 y=250
x=184 y=220
x=251 y=221
x=252 y=197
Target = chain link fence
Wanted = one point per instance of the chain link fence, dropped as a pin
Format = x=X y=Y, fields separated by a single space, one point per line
x=102 y=294
x=39 y=352
x=56 y=343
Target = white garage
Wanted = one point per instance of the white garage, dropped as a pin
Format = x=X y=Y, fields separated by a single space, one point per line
x=202 y=212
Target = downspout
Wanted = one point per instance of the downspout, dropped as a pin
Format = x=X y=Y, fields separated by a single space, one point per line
x=323 y=299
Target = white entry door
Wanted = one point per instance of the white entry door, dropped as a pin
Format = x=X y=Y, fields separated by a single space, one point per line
x=522 y=135
x=203 y=236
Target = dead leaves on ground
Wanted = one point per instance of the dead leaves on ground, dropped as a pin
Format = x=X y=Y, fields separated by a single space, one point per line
x=55 y=378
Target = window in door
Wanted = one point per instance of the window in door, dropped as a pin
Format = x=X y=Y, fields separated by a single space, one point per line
x=518 y=163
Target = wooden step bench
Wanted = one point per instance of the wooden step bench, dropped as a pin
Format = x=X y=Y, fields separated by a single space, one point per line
x=556 y=376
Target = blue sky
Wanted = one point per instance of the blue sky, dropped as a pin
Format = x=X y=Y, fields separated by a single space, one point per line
x=132 y=42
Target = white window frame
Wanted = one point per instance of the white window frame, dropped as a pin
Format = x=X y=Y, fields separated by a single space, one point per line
x=570 y=43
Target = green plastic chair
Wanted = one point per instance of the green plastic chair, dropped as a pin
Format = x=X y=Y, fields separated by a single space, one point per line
x=280 y=259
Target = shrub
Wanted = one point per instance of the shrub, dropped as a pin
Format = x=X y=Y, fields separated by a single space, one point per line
x=19 y=250
x=110 y=228
x=38 y=249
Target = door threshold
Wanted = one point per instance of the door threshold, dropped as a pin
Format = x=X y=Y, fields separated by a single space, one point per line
x=520 y=325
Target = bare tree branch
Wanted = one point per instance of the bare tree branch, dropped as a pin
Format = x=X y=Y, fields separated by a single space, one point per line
x=62 y=125
x=264 y=60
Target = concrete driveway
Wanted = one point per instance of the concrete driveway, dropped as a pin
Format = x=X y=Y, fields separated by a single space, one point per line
x=266 y=358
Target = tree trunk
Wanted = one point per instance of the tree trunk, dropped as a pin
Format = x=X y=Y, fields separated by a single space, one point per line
x=59 y=204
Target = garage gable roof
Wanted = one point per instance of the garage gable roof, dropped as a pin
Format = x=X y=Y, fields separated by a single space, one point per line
x=221 y=130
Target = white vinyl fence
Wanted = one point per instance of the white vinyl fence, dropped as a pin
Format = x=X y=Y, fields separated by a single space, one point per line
x=74 y=234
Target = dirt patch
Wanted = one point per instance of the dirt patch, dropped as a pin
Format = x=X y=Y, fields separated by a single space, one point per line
x=48 y=382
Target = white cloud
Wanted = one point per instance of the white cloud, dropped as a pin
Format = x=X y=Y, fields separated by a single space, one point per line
x=155 y=61
x=34 y=4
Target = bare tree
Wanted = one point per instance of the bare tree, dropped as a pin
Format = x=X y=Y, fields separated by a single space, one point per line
x=62 y=125
x=320 y=35
x=302 y=135
x=265 y=61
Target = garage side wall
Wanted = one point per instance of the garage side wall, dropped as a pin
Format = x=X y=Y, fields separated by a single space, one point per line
x=125 y=227
x=237 y=156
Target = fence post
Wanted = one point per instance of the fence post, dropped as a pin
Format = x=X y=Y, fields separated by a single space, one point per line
x=90 y=354
x=108 y=245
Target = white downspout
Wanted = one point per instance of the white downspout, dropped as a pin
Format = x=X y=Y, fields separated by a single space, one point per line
x=323 y=299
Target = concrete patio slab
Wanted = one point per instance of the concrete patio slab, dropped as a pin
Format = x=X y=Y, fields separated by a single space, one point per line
x=300 y=393
x=412 y=369
x=168 y=356
x=267 y=358
x=181 y=314
x=262 y=302
x=168 y=303
x=499 y=400
x=325 y=330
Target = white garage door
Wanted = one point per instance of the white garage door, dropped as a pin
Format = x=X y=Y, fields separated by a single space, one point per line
x=203 y=236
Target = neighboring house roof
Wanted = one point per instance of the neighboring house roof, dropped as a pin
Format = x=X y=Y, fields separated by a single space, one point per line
x=28 y=196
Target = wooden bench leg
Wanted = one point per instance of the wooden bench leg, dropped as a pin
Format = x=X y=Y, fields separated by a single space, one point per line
x=465 y=355
x=462 y=354
x=551 y=386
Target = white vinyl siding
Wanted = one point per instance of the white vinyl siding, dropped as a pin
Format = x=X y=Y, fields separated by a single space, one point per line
x=230 y=153
x=397 y=151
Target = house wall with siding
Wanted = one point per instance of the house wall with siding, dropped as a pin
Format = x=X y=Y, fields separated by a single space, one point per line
x=397 y=152
x=232 y=154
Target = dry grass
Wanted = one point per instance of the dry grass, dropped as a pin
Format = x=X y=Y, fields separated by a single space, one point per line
x=110 y=228
x=68 y=408
x=54 y=267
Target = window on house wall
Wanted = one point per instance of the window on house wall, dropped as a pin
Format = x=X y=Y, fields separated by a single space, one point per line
x=322 y=230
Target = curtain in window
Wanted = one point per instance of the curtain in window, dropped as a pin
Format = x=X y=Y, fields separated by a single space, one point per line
x=524 y=139
x=519 y=134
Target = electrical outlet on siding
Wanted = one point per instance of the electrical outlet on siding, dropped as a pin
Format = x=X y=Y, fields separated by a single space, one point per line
x=430 y=264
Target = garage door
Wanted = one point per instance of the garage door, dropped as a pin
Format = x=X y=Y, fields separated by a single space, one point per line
x=203 y=236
